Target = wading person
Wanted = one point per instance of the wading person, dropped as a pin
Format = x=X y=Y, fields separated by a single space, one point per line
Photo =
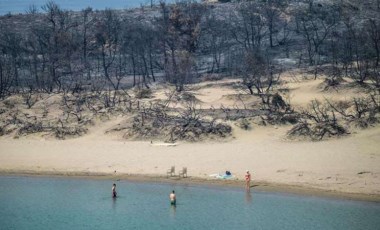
x=172 y=198
x=114 y=193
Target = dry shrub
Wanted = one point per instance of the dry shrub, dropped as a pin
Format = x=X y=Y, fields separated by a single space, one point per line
x=30 y=99
x=332 y=82
x=75 y=112
x=367 y=121
x=175 y=128
x=188 y=124
x=243 y=124
x=73 y=131
x=334 y=79
x=280 y=118
x=277 y=102
x=212 y=77
x=359 y=112
x=316 y=131
x=186 y=97
x=8 y=129
x=277 y=111
x=280 y=112
x=319 y=121
x=197 y=131
x=29 y=128
x=9 y=104
x=143 y=93
x=301 y=129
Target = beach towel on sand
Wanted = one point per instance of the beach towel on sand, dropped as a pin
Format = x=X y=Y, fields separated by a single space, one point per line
x=222 y=176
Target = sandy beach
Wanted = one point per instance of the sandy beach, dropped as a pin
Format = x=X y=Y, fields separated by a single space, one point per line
x=349 y=165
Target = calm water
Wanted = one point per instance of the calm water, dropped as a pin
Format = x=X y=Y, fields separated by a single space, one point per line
x=19 y=6
x=64 y=203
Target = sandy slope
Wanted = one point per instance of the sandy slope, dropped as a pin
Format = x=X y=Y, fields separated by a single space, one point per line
x=350 y=164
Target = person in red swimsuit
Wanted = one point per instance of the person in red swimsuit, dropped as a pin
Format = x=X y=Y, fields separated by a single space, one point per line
x=247 y=180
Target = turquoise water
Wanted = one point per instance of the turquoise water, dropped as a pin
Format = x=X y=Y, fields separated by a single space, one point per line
x=64 y=203
x=20 y=6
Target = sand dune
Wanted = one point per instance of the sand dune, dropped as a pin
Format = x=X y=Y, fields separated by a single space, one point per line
x=349 y=164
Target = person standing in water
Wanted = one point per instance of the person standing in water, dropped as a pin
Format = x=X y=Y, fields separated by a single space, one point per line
x=114 y=193
x=247 y=180
x=172 y=198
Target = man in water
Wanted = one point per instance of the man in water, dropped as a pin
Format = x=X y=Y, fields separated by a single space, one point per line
x=114 y=193
x=172 y=198
x=247 y=180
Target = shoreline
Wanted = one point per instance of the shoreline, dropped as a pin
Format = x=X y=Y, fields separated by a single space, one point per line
x=261 y=186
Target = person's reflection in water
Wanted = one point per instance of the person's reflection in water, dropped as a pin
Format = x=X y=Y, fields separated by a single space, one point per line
x=114 y=203
x=172 y=211
x=248 y=197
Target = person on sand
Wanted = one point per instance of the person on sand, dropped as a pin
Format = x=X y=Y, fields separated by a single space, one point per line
x=114 y=193
x=173 y=199
x=247 y=180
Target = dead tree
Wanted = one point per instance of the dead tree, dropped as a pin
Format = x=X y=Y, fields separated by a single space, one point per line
x=258 y=72
x=319 y=120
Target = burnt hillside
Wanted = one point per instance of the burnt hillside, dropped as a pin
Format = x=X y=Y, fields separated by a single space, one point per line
x=57 y=50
